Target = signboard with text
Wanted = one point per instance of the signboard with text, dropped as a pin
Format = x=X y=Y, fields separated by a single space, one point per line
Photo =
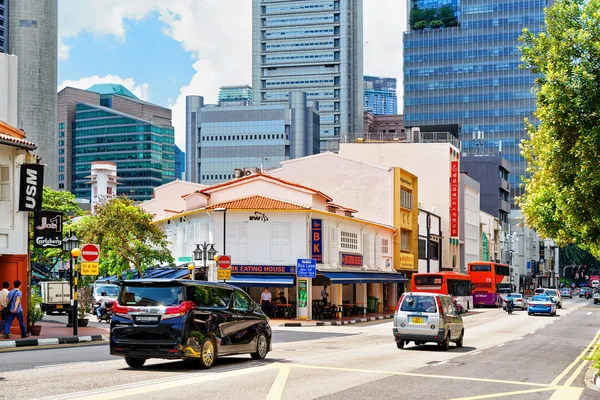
x=454 y=198
x=47 y=230
x=264 y=269
x=317 y=240
x=32 y=184
x=90 y=268
x=306 y=268
x=223 y=274
x=351 y=260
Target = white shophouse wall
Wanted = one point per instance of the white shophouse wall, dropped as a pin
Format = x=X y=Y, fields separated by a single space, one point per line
x=13 y=223
x=169 y=197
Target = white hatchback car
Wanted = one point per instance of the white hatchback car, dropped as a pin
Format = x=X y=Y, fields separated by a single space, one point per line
x=422 y=317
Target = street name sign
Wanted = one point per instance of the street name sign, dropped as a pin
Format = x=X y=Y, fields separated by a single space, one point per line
x=306 y=268
x=184 y=259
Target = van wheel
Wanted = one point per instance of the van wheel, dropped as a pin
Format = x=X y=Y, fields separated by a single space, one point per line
x=400 y=344
x=262 y=347
x=459 y=342
x=207 y=354
x=135 y=362
x=444 y=345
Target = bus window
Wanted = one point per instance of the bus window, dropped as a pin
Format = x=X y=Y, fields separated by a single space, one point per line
x=481 y=268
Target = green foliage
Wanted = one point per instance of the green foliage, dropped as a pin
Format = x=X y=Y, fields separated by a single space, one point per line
x=432 y=17
x=34 y=309
x=126 y=235
x=562 y=192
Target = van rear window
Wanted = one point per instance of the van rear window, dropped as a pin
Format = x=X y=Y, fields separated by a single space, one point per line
x=424 y=304
x=151 y=296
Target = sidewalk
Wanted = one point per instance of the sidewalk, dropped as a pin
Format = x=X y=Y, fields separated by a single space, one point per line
x=344 y=321
x=56 y=334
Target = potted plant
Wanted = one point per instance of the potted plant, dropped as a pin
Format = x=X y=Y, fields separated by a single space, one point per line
x=85 y=305
x=34 y=312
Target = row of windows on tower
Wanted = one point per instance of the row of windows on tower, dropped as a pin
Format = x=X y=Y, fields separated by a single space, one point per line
x=215 y=176
x=244 y=137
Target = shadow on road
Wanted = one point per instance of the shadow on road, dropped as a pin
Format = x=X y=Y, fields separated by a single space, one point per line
x=433 y=347
x=223 y=364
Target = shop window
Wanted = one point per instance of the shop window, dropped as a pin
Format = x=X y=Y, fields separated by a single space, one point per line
x=422 y=248
x=405 y=240
x=348 y=240
x=406 y=200
x=385 y=246
x=434 y=250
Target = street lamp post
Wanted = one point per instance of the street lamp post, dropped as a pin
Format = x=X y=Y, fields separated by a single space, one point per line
x=71 y=245
x=203 y=252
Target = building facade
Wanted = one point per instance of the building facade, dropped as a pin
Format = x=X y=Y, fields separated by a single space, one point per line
x=437 y=166
x=380 y=95
x=33 y=37
x=221 y=140
x=493 y=175
x=4 y=22
x=430 y=242
x=315 y=46
x=388 y=196
x=179 y=163
x=468 y=73
x=235 y=95
x=108 y=123
x=470 y=237
x=103 y=181
x=384 y=127
x=9 y=69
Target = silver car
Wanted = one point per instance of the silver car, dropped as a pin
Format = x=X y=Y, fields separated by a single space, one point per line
x=519 y=301
x=427 y=317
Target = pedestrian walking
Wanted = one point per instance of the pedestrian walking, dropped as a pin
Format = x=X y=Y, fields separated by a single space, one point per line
x=3 y=305
x=265 y=301
x=15 y=310
x=324 y=295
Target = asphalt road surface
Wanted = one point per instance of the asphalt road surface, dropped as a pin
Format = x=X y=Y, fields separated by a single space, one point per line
x=508 y=357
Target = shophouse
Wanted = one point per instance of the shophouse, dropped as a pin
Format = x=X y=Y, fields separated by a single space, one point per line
x=430 y=242
x=437 y=166
x=381 y=194
x=267 y=224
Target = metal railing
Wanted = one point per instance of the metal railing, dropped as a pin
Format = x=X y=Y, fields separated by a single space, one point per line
x=404 y=137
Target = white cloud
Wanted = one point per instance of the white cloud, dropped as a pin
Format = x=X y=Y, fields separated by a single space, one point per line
x=218 y=35
x=140 y=90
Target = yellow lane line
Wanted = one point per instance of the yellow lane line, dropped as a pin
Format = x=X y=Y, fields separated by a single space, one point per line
x=460 y=378
x=567 y=393
x=276 y=391
x=572 y=365
x=575 y=374
x=494 y=395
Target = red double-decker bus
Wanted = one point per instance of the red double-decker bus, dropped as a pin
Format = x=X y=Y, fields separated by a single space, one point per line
x=490 y=281
x=451 y=283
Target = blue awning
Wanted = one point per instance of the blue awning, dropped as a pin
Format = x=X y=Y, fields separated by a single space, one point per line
x=249 y=280
x=363 y=277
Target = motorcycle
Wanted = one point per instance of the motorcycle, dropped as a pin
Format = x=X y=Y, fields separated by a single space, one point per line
x=106 y=314
x=459 y=307
x=508 y=306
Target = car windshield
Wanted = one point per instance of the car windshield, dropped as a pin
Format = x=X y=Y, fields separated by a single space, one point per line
x=112 y=291
x=425 y=304
x=540 y=298
x=515 y=295
x=551 y=292
x=151 y=296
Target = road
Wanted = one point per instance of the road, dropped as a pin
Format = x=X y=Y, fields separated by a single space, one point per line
x=521 y=356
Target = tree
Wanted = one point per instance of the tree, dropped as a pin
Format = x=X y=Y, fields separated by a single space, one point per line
x=562 y=191
x=436 y=23
x=61 y=201
x=126 y=236
x=447 y=15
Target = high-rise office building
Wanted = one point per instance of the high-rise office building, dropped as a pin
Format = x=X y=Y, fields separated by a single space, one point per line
x=179 y=163
x=109 y=123
x=221 y=139
x=380 y=95
x=467 y=72
x=315 y=46
x=4 y=26
x=235 y=95
x=33 y=37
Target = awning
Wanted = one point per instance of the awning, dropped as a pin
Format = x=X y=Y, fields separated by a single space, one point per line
x=363 y=277
x=249 y=280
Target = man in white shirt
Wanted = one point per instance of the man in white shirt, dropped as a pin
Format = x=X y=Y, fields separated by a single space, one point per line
x=265 y=301
x=3 y=305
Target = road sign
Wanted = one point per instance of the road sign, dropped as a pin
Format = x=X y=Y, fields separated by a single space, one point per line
x=90 y=268
x=90 y=253
x=224 y=262
x=223 y=274
x=185 y=259
x=306 y=268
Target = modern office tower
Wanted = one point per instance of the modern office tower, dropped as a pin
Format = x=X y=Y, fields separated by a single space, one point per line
x=315 y=46
x=4 y=26
x=467 y=72
x=221 y=140
x=235 y=95
x=380 y=95
x=109 y=123
x=33 y=37
x=179 y=163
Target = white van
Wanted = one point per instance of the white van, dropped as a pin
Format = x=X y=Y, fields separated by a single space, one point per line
x=595 y=283
x=422 y=317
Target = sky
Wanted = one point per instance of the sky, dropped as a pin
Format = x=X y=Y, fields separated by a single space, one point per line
x=165 y=50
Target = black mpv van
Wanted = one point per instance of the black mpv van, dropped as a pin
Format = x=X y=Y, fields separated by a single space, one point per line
x=190 y=320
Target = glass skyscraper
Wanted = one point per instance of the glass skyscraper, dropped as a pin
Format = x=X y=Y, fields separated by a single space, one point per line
x=465 y=69
x=3 y=26
x=235 y=95
x=380 y=95
x=315 y=46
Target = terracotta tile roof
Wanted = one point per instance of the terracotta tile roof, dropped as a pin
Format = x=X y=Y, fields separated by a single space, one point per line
x=267 y=177
x=258 y=202
x=12 y=136
x=342 y=207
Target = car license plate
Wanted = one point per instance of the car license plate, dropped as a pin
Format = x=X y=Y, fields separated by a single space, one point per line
x=59 y=306
x=418 y=320
x=146 y=319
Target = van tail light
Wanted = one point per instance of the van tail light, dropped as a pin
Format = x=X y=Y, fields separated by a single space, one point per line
x=120 y=311
x=180 y=310
x=399 y=303
x=439 y=305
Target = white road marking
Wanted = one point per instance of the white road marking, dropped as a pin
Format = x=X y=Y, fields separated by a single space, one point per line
x=500 y=345
x=61 y=365
x=590 y=313
x=440 y=363
x=476 y=352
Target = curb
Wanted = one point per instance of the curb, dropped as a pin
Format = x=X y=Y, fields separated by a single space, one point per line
x=334 y=323
x=11 y=344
